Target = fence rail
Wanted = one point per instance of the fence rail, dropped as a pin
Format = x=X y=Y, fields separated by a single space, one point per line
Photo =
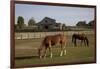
x=31 y=35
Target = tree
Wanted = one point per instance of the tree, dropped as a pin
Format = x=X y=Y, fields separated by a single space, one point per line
x=31 y=22
x=91 y=23
x=20 y=22
x=81 y=23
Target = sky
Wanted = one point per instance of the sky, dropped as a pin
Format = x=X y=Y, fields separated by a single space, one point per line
x=66 y=15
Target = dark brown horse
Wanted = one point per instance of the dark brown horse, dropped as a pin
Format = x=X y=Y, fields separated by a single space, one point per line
x=81 y=37
x=49 y=42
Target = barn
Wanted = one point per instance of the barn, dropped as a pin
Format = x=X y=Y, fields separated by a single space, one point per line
x=49 y=24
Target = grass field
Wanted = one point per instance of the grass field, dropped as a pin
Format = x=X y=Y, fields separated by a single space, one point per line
x=26 y=52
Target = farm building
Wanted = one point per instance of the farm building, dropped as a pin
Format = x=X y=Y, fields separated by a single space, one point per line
x=46 y=24
x=49 y=24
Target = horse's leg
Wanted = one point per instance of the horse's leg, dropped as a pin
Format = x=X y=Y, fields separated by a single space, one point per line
x=64 y=48
x=84 y=42
x=40 y=53
x=81 y=43
x=45 y=52
x=50 y=49
x=75 y=42
x=40 y=56
x=64 y=51
x=61 y=53
x=87 y=42
x=73 y=39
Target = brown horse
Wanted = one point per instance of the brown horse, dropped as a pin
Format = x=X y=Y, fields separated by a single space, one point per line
x=49 y=42
x=81 y=37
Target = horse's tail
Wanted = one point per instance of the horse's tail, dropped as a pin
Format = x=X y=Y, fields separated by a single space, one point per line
x=87 y=41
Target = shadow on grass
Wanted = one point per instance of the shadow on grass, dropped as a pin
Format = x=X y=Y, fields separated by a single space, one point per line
x=26 y=57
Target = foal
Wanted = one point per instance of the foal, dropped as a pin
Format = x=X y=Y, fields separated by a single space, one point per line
x=50 y=41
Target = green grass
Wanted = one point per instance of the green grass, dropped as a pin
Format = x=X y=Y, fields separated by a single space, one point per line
x=26 y=53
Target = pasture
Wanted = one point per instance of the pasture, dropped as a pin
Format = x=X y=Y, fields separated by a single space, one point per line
x=26 y=52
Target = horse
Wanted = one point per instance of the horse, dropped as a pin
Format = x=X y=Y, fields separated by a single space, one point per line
x=50 y=41
x=81 y=37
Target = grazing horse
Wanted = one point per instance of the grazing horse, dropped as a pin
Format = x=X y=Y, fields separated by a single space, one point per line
x=81 y=37
x=49 y=42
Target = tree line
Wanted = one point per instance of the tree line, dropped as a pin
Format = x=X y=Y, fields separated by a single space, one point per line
x=20 y=25
x=20 y=22
x=83 y=23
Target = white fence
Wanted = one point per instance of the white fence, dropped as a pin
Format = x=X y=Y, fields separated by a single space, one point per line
x=32 y=35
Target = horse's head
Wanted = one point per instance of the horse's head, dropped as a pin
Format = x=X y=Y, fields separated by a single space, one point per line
x=39 y=53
